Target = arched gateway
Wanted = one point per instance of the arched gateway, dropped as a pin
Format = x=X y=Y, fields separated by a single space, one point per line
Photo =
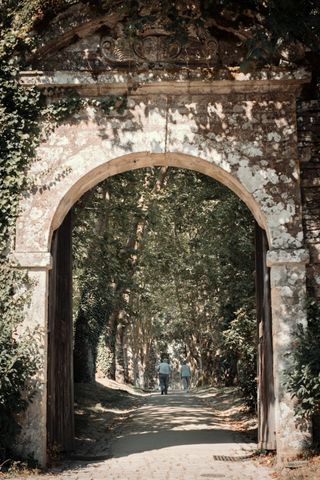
x=237 y=128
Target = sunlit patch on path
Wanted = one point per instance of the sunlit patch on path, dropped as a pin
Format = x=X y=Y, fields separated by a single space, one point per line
x=178 y=436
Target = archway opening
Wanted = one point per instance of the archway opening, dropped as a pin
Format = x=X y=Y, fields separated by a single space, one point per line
x=134 y=297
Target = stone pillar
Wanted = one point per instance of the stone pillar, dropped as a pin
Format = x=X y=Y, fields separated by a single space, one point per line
x=288 y=293
x=33 y=437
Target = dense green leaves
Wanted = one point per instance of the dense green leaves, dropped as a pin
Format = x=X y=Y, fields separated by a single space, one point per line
x=304 y=378
x=19 y=357
x=240 y=340
x=19 y=136
x=24 y=119
x=172 y=264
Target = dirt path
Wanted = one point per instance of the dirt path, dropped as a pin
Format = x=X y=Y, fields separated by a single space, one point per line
x=126 y=434
x=178 y=436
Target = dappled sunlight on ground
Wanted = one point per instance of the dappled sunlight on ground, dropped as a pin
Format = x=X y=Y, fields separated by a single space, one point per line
x=126 y=433
x=179 y=418
x=99 y=409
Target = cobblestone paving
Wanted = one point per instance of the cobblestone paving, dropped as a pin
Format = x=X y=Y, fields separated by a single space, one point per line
x=173 y=437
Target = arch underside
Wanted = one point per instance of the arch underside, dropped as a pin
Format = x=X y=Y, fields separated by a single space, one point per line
x=144 y=160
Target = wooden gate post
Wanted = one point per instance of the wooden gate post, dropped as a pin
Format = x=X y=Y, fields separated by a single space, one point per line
x=266 y=413
x=60 y=417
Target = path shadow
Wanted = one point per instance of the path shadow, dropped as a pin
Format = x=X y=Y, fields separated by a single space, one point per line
x=158 y=422
x=98 y=411
x=174 y=420
x=144 y=442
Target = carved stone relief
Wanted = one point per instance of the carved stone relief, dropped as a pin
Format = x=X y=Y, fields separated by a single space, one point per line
x=159 y=46
x=110 y=47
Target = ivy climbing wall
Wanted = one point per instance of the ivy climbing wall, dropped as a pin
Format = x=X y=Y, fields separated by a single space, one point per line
x=308 y=120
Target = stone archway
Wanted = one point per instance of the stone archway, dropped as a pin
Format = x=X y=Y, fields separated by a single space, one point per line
x=184 y=109
x=247 y=139
x=190 y=131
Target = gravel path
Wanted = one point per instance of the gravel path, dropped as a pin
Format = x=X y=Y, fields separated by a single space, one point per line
x=175 y=436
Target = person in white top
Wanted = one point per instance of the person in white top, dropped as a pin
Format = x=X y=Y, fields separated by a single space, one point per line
x=164 y=370
x=185 y=376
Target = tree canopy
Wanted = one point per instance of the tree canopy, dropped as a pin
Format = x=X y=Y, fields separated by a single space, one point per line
x=164 y=263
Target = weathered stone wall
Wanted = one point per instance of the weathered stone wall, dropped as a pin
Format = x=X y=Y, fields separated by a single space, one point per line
x=183 y=111
x=308 y=120
x=248 y=138
x=241 y=132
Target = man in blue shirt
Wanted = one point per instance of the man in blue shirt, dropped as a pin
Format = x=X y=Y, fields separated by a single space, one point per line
x=164 y=370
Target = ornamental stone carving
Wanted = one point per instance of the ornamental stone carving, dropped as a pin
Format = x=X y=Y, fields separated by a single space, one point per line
x=159 y=46
x=107 y=47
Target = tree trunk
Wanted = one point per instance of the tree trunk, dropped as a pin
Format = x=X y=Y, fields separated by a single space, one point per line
x=83 y=355
x=110 y=341
x=122 y=370
x=134 y=244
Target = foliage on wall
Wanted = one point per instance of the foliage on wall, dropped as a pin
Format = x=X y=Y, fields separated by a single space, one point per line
x=25 y=117
x=284 y=32
x=19 y=136
x=304 y=378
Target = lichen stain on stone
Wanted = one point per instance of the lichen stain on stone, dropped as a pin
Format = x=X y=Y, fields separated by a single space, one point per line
x=36 y=214
x=281 y=122
x=139 y=114
x=255 y=179
x=273 y=137
x=216 y=110
x=234 y=132
x=251 y=150
x=283 y=180
x=281 y=213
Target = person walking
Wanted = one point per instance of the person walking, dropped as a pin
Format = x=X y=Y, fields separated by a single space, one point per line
x=164 y=374
x=185 y=373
